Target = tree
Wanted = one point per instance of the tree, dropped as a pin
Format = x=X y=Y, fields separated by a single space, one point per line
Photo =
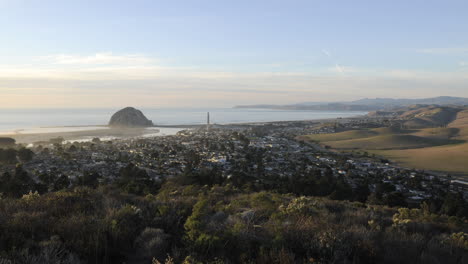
x=57 y=140
x=25 y=155
x=125 y=225
x=195 y=226
x=395 y=199
x=454 y=204
x=383 y=188
x=326 y=183
x=47 y=178
x=72 y=148
x=152 y=243
x=90 y=179
x=7 y=142
x=361 y=192
x=342 y=190
x=8 y=156
x=135 y=180
x=5 y=182
x=17 y=184
x=62 y=182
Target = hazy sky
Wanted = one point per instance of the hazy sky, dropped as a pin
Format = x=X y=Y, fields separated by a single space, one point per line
x=111 y=53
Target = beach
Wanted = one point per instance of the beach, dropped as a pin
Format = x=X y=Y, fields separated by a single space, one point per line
x=81 y=134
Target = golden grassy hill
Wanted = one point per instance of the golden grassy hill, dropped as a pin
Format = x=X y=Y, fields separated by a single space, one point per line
x=388 y=142
x=430 y=116
x=427 y=145
x=446 y=158
x=438 y=132
x=461 y=119
x=357 y=134
x=391 y=130
x=351 y=134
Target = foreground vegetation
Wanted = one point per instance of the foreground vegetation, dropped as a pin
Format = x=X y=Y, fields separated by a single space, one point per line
x=197 y=218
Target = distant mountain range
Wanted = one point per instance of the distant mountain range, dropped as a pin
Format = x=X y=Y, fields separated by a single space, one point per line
x=365 y=104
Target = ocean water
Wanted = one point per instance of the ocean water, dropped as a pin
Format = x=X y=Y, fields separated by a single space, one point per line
x=57 y=120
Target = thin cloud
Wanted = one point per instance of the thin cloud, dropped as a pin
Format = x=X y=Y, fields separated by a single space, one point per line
x=178 y=90
x=338 y=68
x=113 y=79
x=107 y=58
x=109 y=66
x=326 y=52
x=458 y=50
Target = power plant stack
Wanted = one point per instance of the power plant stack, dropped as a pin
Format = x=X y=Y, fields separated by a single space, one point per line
x=208 y=121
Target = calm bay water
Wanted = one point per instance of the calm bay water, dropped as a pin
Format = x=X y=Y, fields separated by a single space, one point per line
x=42 y=119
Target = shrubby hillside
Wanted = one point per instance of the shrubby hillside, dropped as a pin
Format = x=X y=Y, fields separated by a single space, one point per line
x=192 y=219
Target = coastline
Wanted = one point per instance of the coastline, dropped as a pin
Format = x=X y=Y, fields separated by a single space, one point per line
x=81 y=135
x=103 y=131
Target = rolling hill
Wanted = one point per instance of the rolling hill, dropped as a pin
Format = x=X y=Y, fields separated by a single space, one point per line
x=435 y=138
x=429 y=116
x=461 y=119
x=438 y=132
x=446 y=158
x=347 y=135
x=366 y=104
x=388 y=142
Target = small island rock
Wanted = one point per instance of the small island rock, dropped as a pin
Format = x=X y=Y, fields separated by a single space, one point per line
x=129 y=117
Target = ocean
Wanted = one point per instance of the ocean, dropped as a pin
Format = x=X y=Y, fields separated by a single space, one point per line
x=57 y=120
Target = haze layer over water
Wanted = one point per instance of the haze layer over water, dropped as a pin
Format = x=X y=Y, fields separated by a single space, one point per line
x=17 y=119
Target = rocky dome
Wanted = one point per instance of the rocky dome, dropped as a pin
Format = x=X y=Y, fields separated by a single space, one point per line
x=129 y=117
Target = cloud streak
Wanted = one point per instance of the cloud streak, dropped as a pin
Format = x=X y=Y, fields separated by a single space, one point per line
x=107 y=58
x=338 y=68
x=456 y=50
x=112 y=80
x=326 y=52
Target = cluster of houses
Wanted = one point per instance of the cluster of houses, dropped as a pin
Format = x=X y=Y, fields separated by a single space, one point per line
x=268 y=150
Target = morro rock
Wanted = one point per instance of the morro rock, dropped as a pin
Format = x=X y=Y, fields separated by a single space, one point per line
x=129 y=117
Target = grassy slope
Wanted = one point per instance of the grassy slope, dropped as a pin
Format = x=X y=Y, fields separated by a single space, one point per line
x=461 y=120
x=430 y=116
x=392 y=130
x=448 y=158
x=352 y=134
x=439 y=149
x=387 y=142
x=438 y=133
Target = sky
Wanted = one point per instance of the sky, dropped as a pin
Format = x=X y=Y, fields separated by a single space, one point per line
x=213 y=53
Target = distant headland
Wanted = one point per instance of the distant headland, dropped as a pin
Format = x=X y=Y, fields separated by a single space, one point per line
x=365 y=104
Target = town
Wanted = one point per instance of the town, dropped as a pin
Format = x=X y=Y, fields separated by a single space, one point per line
x=256 y=191
x=266 y=155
